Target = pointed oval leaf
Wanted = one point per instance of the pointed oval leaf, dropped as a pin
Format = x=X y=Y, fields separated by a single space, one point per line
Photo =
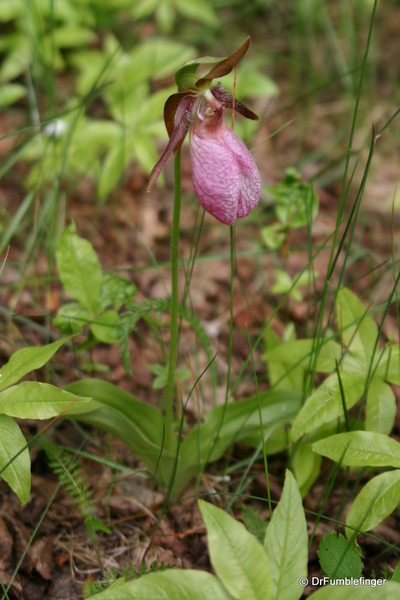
x=301 y=353
x=389 y=367
x=306 y=466
x=286 y=542
x=358 y=329
x=326 y=403
x=79 y=269
x=15 y=463
x=238 y=559
x=360 y=449
x=381 y=407
x=376 y=501
x=169 y=585
x=32 y=400
x=26 y=360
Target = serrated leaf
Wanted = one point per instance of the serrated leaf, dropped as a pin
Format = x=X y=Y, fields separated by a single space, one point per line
x=338 y=558
x=381 y=407
x=326 y=404
x=80 y=270
x=376 y=501
x=360 y=449
x=389 y=591
x=33 y=400
x=15 y=463
x=358 y=329
x=286 y=543
x=306 y=466
x=238 y=559
x=168 y=585
x=26 y=360
x=104 y=327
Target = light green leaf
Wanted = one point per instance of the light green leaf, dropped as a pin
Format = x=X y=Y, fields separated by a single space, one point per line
x=198 y=10
x=238 y=559
x=168 y=585
x=32 y=400
x=79 y=268
x=306 y=466
x=387 y=590
x=358 y=329
x=286 y=542
x=376 y=501
x=15 y=464
x=26 y=360
x=326 y=404
x=71 y=318
x=381 y=407
x=116 y=291
x=389 y=367
x=280 y=376
x=11 y=93
x=113 y=166
x=274 y=235
x=72 y=36
x=104 y=327
x=360 y=449
x=300 y=353
x=338 y=558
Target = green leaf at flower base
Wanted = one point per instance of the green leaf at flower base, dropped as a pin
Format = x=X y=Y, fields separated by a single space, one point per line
x=26 y=360
x=168 y=585
x=387 y=590
x=11 y=93
x=32 y=400
x=286 y=543
x=376 y=501
x=79 y=268
x=359 y=331
x=238 y=559
x=326 y=403
x=381 y=407
x=71 y=318
x=104 y=327
x=15 y=464
x=306 y=466
x=338 y=558
x=360 y=449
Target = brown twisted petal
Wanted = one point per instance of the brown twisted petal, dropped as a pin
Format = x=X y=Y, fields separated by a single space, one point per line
x=227 y=100
x=182 y=120
x=226 y=65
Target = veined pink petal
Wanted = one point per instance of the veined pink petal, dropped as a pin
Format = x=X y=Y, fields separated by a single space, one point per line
x=225 y=177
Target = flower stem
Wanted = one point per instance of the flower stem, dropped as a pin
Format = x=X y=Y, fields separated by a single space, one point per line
x=174 y=339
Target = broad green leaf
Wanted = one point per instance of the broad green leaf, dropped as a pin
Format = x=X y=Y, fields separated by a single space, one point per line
x=387 y=590
x=376 y=501
x=104 y=327
x=358 y=329
x=72 y=36
x=198 y=10
x=280 y=376
x=79 y=269
x=72 y=318
x=238 y=559
x=32 y=400
x=116 y=292
x=338 y=558
x=300 y=353
x=381 y=407
x=114 y=164
x=326 y=403
x=286 y=543
x=360 y=449
x=11 y=93
x=26 y=360
x=168 y=585
x=306 y=466
x=389 y=367
x=15 y=464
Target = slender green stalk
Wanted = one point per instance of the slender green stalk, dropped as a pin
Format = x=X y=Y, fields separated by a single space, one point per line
x=173 y=348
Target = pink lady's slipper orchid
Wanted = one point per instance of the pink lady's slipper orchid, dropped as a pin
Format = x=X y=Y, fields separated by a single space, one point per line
x=225 y=177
